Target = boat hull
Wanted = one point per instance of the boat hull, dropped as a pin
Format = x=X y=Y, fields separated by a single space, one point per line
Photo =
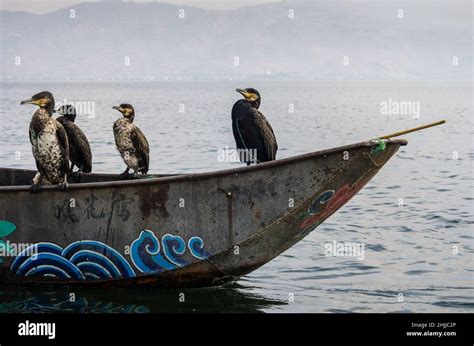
x=175 y=231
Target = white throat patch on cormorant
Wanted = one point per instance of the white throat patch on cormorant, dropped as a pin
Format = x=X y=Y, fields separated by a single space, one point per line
x=80 y=152
x=131 y=142
x=252 y=131
x=49 y=143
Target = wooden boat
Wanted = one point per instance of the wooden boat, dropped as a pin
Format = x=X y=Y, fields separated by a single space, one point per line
x=189 y=230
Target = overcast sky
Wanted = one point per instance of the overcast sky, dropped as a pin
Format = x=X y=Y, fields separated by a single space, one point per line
x=44 y=6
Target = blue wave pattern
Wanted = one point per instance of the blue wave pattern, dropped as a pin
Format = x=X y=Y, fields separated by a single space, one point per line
x=150 y=256
x=323 y=198
x=93 y=260
x=81 y=260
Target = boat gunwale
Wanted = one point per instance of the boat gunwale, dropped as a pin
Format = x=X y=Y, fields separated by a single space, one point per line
x=205 y=175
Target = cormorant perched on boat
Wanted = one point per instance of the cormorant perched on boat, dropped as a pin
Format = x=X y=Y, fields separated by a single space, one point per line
x=49 y=143
x=251 y=129
x=131 y=142
x=79 y=148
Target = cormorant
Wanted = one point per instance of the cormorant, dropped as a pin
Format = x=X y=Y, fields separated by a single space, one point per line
x=79 y=148
x=49 y=143
x=251 y=129
x=131 y=142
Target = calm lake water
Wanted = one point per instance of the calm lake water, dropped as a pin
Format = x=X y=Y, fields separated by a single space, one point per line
x=418 y=256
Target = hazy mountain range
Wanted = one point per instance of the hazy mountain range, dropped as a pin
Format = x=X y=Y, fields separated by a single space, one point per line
x=265 y=41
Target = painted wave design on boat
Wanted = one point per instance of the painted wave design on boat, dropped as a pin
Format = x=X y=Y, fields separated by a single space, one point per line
x=328 y=202
x=6 y=228
x=81 y=260
x=93 y=260
x=149 y=255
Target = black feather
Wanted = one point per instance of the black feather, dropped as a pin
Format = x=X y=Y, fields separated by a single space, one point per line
x=253 y=131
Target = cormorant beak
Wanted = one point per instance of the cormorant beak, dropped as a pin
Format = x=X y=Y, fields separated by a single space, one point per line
x=243 y=92
x=120 y=109
x=31 y=101
x=248 y=96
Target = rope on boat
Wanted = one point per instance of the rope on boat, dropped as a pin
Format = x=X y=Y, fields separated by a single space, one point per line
x=380 y=147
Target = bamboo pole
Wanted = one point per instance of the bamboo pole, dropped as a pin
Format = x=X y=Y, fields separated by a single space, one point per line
x=404 y=132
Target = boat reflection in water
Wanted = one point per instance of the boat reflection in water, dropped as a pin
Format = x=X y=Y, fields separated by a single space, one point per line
x=233 y=298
